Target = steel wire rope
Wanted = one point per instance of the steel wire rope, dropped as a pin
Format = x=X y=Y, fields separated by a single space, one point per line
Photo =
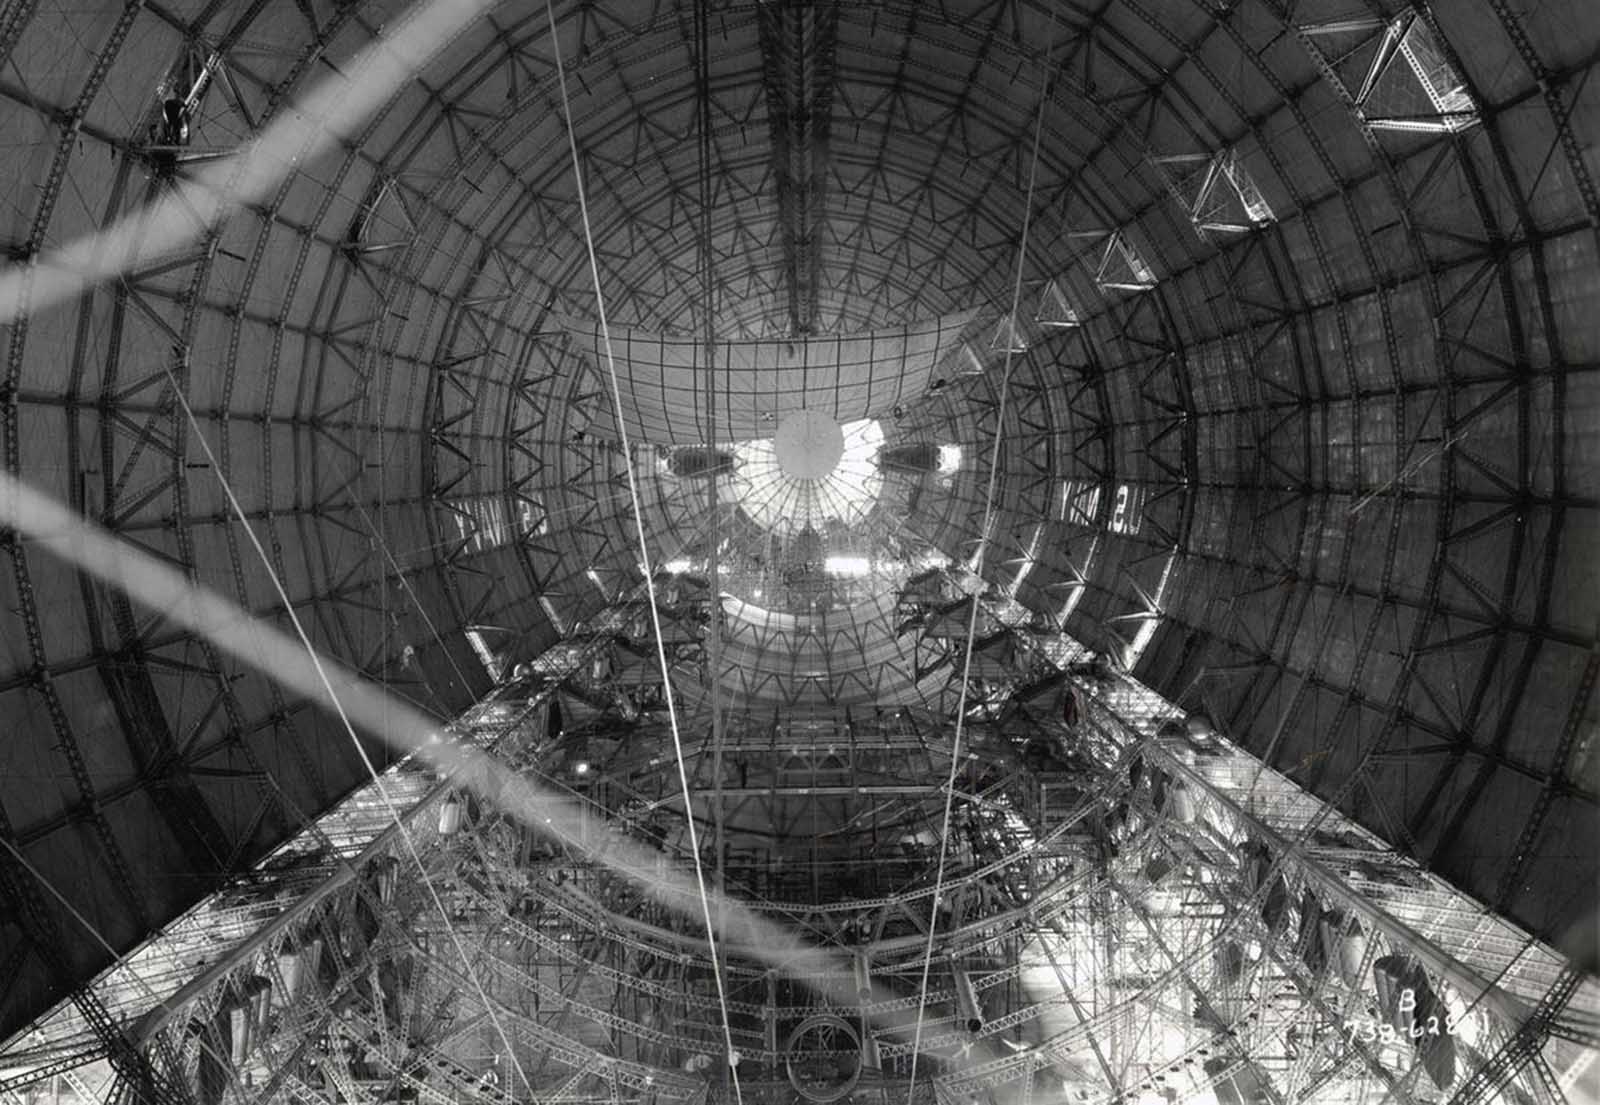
x=1009 y=326
x=1281 y=864
x=65 y=534
x=702 y=39
x=644 y=548
x=121 y=961
x=751 y=898
x=384 y=616
x=417 y=30
x=548 y=517
x=405 y=584
x=344 y=719
x=314 y=828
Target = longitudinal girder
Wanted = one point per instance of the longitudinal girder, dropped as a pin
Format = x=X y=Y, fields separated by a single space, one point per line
x=1131 y=902
x=797 y=57
x=1297 y=433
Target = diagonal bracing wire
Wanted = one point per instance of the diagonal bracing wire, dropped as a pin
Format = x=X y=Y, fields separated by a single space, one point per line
x=329 y=113
x=405 y=584
x=344 y=718
x=644 y=549
x=702 y=49
x=63 y=533
x=331 y=109
x=977 y=569
x=119 y=960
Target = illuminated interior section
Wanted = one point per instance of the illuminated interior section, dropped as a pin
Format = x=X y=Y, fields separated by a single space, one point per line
x=785 y=504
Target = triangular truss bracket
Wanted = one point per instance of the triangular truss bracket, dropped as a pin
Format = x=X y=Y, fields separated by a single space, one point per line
x=1216 y=192
x=1122 y=268
x=1410 y=84
x=1055 y=312
x=1008 y=337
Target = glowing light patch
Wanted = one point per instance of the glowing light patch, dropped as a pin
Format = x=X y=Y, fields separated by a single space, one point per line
x=776 y=500
x=848 y=565
x=486 y=655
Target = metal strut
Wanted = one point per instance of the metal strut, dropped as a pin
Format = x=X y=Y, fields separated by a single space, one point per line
x=1522 y=1049
x=135 y=1074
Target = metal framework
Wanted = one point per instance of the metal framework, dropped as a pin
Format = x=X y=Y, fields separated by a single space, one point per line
x=1134 y=904
x=1299 y=435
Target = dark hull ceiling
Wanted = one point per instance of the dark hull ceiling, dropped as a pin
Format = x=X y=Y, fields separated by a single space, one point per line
x=1320 y=457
